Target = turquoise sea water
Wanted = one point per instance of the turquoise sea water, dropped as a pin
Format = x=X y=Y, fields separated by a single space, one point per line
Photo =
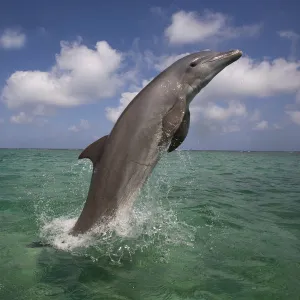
x=207 y=225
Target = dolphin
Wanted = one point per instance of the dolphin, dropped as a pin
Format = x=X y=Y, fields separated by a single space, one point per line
x=156 y=121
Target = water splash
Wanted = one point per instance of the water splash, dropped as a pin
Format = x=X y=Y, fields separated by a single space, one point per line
x=151 y=224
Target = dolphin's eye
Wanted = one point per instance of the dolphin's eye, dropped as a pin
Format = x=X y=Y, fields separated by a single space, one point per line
x=193 y=64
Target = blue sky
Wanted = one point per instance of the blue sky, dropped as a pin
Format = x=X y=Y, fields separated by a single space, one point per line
x=69 y=68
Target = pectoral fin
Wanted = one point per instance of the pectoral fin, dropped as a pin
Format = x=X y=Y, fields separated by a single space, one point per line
x=181 y=132
x=172 y=121
x=95 y=150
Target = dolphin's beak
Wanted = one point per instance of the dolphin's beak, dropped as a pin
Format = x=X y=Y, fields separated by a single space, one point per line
x=227 y=58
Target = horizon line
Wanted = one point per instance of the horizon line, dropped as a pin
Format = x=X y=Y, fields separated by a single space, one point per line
x=208 y=150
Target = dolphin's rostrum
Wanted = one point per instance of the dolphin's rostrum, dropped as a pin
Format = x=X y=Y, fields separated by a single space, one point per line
x=157 y=119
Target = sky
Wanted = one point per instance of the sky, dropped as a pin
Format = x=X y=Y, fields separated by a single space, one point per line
x=69 y=68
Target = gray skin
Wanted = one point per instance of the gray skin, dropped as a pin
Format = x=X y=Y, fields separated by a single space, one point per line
x=156 y=120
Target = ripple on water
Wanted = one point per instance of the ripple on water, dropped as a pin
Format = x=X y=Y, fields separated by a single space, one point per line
x=150 y=224
x=193 y=233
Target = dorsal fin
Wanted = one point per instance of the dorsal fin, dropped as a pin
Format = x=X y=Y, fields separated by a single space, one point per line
x=94 y=151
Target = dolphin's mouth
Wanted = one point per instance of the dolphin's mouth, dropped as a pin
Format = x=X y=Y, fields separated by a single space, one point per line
x=232 y=55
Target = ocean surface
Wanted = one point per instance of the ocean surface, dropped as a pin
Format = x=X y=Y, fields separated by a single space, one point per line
x=207 y=225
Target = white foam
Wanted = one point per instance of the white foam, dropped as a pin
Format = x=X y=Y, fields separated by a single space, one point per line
x=151 y=223
x=123 y=236
x=56 y=232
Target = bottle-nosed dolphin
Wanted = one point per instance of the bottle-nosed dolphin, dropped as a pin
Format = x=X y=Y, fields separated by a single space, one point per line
x=157 y=119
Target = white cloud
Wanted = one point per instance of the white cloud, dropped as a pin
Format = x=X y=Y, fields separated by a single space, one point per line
x=189 y=27
x=231 y=128
x=294 y=116
x=213 y=117
x=216 y=117
x=113 y=113
x=12 y=39
x=255 y=117
x=73 y=128
x=246 y=78
x=215 y=112
x=250 y=78
x=156 y=10
x=288 y=34
x=298 y=96
x=40 y=110
x=21 y=118
x=263 y=125
x=83 y=125
x=80 y=75
x=164 y=62
x=294 y=38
